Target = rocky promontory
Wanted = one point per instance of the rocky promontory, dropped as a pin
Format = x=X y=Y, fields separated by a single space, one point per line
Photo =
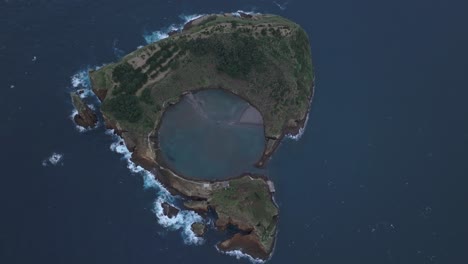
x=264 y=59
x=85 y=116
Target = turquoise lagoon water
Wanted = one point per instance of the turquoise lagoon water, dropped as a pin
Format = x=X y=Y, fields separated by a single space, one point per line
x=201 y=136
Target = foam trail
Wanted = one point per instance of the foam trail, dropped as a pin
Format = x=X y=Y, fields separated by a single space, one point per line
x=81 y=82
x=239 y=255
x=238 y=12
x=188 y=18
x=118 y=53
x=302 y=129
x=80 y=128
x=157 y=35
x=282 y=7
x=184 y=219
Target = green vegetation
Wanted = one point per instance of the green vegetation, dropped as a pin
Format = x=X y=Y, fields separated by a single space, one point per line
x=128 y=78
x=236 y=54
x=248 y=200
x=146 y=96
x=266 y=60
x=124 y=107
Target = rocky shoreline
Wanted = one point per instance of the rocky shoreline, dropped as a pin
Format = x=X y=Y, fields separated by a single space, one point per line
x=85 y=116
x=198 y=194
x=195 y=189
x=287 y=131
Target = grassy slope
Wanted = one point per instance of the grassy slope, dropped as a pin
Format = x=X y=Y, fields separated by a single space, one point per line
x=248 y=200
x=265 y=60
x=277 y=80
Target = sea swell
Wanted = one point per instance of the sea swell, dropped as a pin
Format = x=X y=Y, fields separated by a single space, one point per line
x=239 y=255
x=301 y=131
x=184 y=219
x=80 y=82
x=54 y=159
x=154 y=36
x=157 y=35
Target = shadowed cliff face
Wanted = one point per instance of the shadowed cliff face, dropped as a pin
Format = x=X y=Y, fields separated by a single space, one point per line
x=211 y=129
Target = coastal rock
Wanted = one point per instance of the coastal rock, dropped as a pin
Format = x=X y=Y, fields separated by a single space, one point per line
x=197 y=206
x=281 y=92
x=169 y=210
x=85 y=117
x=245 y=15
x=199 y=229
x=248 y=244
x=101 y=94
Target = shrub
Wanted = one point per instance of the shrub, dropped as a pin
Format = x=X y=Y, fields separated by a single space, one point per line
x=146 y=96
x=124 y=107
x=129 y=79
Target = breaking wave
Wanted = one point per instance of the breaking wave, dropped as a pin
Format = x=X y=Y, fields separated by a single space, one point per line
x=282 y=6
x=238 y=13
x=154 y=36
x=301 y=131
x=239 y=255
x=157 y=35
x=118 y=53
x=80 y=128
x=303 y=128
x=184 y=219
x=80 y=81
x=81 y=84
x=54 y=159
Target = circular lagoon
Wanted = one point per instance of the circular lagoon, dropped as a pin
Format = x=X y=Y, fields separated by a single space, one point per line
x=211 y=134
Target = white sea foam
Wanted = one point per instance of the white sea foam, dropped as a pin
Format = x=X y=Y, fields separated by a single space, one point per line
x=81 y=81
x=184 y=219
x=239 y=255
x=238 y=13
x=282 y=6
x=81 y=84
x=154 y=36
x=54 y=159
x=302 y=129
x=117 y=52
x=157 y=35
x=80 y=128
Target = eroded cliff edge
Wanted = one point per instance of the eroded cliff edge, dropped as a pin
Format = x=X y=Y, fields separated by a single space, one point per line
x=265 y=59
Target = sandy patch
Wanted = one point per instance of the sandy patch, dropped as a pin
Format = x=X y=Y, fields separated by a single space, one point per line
x=251 y=116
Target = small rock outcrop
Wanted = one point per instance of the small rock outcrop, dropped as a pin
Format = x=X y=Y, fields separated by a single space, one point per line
x=169 y=210
x=198 y=228
x=85 y=117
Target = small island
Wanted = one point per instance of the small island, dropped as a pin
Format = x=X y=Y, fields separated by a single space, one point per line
x=263 y=59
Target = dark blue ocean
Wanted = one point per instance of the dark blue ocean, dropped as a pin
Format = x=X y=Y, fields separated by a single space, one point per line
x=379 y=176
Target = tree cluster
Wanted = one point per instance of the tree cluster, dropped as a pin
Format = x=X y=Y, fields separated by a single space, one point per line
x=124 y=107
x=129 y=79
x=236 y=54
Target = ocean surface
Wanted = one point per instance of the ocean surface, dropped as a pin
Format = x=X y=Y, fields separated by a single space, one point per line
x=202 y=136
x=378 y=176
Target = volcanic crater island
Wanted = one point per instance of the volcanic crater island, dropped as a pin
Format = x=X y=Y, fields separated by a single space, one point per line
x=204 y=110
